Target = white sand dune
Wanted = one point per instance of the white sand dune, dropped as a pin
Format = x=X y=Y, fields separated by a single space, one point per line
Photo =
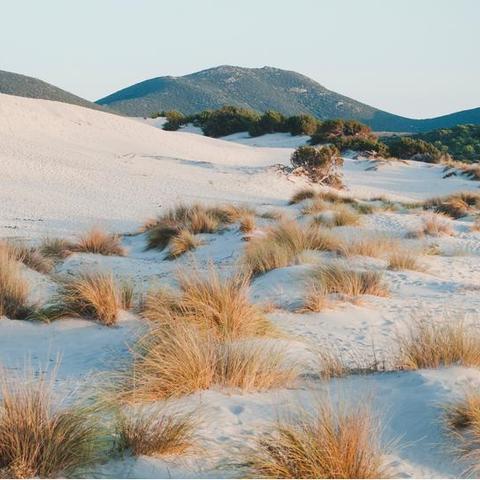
x=64 y=168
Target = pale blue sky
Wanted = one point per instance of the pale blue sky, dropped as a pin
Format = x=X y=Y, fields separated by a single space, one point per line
x=417 y=58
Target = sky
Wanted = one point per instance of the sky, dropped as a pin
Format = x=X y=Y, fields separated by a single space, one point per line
x=417 y=58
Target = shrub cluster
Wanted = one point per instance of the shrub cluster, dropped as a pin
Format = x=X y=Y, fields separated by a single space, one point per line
x=348 y=135
x=321 y=164
x=415 y=149
x=230 y=119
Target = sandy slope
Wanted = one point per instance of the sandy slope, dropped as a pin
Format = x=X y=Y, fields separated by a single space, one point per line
x=64 y=168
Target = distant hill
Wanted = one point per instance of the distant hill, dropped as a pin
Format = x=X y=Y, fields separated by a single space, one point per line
x=263 y=89
x=24 y=86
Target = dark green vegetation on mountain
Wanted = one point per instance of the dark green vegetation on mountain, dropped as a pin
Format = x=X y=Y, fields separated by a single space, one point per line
x=23 y=86
x=263 y=89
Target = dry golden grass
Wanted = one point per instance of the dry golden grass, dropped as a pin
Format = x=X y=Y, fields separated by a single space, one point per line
x=254 y=366
x=456 y=205
x=369 y=246
x=55 y=248
x=318 y=238
x=434 y=224
x=218 y=305
x=261 y=256
x=14 y=288
x=334 y=197
x=88 y=295
x=339 y=216
x=195 y=218
x=282 y=244
x=230 y=213
x=316 y=299
x=329 y=364
x=329 y=443
x=431 y=345
x=175 y=359
x=403 y=260
x=160 y=304
x=301 y=195
x=247 y=223
x=202 y=221
x=273 y=215
x=278 y=248
x=41 y=437
x=171 y=360
x=462 y=419
x=31 y=257
x=98 y=241
x=154 y=432
x=464 y=413
x=314 y=206
x=337 y=278
x=127 y=293
x=183 y=242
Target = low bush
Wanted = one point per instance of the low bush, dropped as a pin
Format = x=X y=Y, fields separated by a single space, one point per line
x=321 y=164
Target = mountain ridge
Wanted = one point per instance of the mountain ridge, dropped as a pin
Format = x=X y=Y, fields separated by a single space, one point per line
x=265 y=88
x=30 y=87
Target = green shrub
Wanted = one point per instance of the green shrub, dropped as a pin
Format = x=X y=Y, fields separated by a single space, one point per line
x=301 y=125
x=411 y=148
x=321 y=164
x=228 y=120
x=269 y=122
x=174 y=120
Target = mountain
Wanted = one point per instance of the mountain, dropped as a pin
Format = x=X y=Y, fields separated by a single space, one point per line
x=262 y=89
x=24 y=86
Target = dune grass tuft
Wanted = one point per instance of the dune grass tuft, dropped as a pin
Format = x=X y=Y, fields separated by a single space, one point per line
x=255 y=366
x=434 y=345
x=14 y=287
x=42 y=437
x=247 y=223
x=403 y=260
x=462 y=421
x=375 y=246
x=98 y=241
x=175 y=359
x=56 y=248
x=195 y=218
x=183 y=242
x=316 y=299
x=337 y=278
x=328 y=443
x=456 y=205
x=282 y=244
x=155 y=432
x=301 y=195
x=89 y=295
x=212 y=303
x=31 y=257
x=339 y=216
x=435 y=225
